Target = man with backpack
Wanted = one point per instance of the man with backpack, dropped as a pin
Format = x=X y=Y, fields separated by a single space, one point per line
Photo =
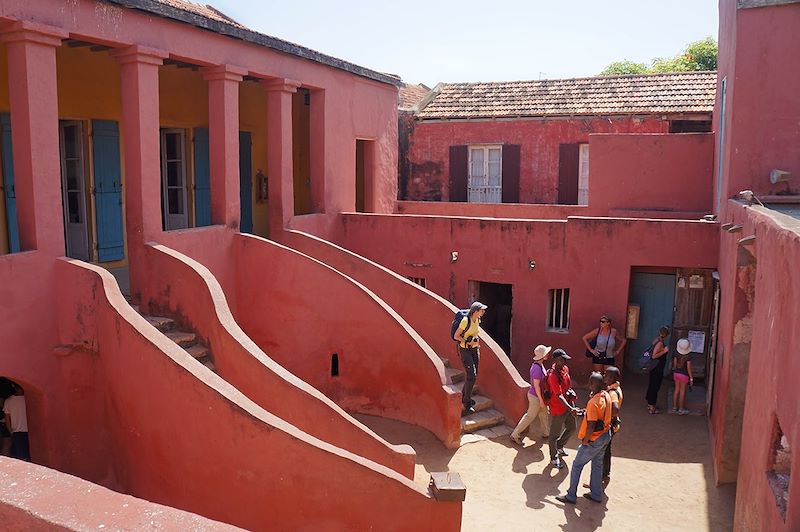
x=466 y=334
x=594 y=435
x=536 y=396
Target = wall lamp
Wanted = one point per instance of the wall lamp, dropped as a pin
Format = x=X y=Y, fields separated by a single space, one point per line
x=453 y=256
x=531 y=264
x=735 y=228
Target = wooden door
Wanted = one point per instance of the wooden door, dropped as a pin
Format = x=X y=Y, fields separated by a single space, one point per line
x=655 y=295
x=694 y=305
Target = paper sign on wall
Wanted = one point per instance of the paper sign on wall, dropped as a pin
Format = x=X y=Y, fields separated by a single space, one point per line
x=697 y=341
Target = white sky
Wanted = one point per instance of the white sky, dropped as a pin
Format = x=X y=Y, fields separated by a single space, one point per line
x=428 y=41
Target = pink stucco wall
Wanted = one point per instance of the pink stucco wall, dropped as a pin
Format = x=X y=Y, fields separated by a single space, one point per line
x=568 y=254
x=539 y=153
x=146 y=374
x=429 y=314
x=184 y=289
x=34 y=498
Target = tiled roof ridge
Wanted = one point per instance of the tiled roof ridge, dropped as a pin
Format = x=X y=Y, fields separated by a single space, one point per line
x=581 y=78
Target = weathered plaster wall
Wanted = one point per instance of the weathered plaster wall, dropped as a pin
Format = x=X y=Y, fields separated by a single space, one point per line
x=147 y=373
x=539 y=155
x=182 y=288
x=429 y=315
x=568 y=253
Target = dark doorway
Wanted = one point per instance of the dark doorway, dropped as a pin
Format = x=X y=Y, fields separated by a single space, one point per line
x=361 y=148
x=497 y=320
x=301 y=151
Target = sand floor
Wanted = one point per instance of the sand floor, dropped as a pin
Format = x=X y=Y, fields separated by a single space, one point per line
x=662 y=478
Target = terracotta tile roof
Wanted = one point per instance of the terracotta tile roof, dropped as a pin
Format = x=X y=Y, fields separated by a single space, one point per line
x=683 y=92
x=202 y=10
x=411 y=95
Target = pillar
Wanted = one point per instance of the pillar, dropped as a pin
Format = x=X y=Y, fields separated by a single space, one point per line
x=33 y=97
x=279 y=152
x=223 y=125
x=142 y=151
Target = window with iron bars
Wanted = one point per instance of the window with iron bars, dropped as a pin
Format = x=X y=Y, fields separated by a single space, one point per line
x=558 y=309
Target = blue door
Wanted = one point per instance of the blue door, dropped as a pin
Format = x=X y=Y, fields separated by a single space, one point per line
x=655 y=295
x=107 y=190
x=245 y=182
x=202 y=178
x=9 y=194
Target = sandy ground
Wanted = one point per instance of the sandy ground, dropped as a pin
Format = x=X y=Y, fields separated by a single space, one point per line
x=662 y=478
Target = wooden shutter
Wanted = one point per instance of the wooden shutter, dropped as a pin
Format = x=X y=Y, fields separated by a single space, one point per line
x=245 y=183
x=511 y=173
x=202 y=178
x=107 y=190
x=458 y=173
x=10 y=196
x=568 y=168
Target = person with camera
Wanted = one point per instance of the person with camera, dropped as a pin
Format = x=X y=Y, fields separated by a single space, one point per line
x=595 y=433
x=469 y=349
x=562 y=407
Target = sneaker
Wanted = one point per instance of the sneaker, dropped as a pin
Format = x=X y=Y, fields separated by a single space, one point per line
x=557 y=463
x=673 y=410
x=562 y=452
x=516 y=439
x=565 y=500
x=467 y=410
x=683 y=412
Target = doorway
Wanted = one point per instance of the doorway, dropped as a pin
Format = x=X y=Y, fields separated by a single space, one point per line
x=245 y=182
x=175 y=214
x=497 y=319
x=654 y=294
x=73 y=188
x=360 y=175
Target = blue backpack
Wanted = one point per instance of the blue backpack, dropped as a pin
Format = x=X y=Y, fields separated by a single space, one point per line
x=460 y=315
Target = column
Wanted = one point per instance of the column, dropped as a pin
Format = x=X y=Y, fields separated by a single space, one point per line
x=33 y=97
x=279 y=152
x=223 y=125
x=142 y=152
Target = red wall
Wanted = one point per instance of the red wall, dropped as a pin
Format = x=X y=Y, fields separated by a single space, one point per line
x=232 y=460
x=182 y=288
x=568 y=254
x=429 y=314
x=651 y=173
x=539 y=154
x=34 y=498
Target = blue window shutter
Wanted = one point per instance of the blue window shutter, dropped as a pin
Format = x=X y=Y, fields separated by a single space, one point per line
x=202 y=179
x=8 y=183
x=245 y=182
x=108 y=190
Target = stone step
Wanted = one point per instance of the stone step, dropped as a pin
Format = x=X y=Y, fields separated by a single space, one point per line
x=445 y=361
x=454 y=375
x=482 y=403
x=481 y=420
x=459 y=386
x=182 y=338
x=161 y=323
x=209 y=364
x=197 y=351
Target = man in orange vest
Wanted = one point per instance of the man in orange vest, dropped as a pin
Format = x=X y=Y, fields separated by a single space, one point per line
x=595 y=435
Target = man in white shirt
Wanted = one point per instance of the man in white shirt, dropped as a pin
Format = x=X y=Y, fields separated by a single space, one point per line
x=16 y=420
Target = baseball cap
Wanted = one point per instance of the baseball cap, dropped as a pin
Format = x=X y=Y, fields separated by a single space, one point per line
x=560 y=353
x=477 y=306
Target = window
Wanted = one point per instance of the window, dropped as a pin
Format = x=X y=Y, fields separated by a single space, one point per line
x=173 y=179
x=485 y=174
x=690 y=126
x=558 y=309
x=583 y=175
x=418 y=280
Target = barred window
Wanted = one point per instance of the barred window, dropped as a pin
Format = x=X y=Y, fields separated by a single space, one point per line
x=558 y=309
x=418 y=280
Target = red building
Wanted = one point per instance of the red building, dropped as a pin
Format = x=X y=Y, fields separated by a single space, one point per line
x=528 y=141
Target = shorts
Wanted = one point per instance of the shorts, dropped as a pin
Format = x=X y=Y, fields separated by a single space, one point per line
x=603 y=360
x=680 y=377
